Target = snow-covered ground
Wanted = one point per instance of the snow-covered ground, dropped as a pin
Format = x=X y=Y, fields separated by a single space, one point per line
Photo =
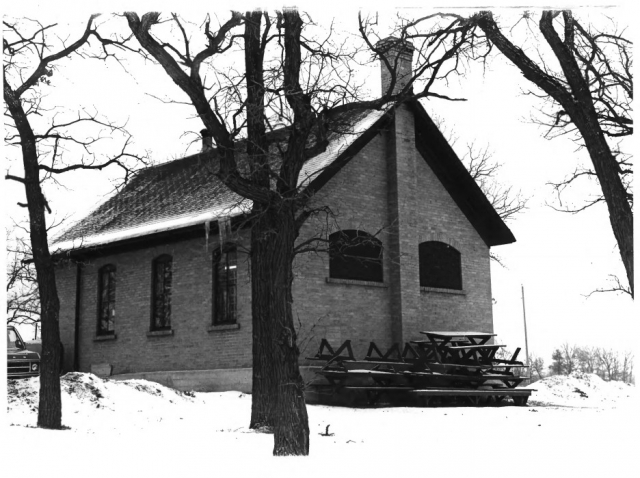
x=139 y=428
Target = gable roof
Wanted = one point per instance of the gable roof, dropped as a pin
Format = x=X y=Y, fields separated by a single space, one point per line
x=455 y=177
x=183 y=193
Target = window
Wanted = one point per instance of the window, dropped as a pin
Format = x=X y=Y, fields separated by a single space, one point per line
x=161 y=294
x=440 y=266
x=225 y=267
x=355 y=255
x=106 y=300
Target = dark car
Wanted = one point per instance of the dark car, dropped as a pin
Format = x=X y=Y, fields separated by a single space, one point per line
x=20 y=361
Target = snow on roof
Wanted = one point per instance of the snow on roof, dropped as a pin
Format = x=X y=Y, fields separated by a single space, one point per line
x=185 y=192
x=314 y=166
x=152 y=227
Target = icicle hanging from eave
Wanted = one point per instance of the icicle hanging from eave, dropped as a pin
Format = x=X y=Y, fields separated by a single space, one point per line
x=224 y=230
x=206 y=235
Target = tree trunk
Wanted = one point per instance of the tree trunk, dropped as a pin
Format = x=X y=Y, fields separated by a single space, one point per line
x=615 y=195
x=263 y=388
x=278 y=400
x=50 y=404
x=278 y=394
x=578 y=104
x=582 y=111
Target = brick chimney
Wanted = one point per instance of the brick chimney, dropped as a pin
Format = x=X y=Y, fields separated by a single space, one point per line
x=402 y=174
x=399 y=53
x=207 y=141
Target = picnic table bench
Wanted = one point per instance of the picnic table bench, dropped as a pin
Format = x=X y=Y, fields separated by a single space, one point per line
x=446 y=367
x=476 y=354
x=339 y=378
x=373 y=393
x=519 y=396
x=371 y=365
x=326 y=352
x=453 y=364
x=474 y=338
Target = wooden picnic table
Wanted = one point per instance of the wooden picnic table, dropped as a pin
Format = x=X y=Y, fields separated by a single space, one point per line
x=446 y=337
x=459 y=347
x=474 y=354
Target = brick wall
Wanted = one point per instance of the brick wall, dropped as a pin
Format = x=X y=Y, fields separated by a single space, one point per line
x=427 y=212
x=357 y=196
x=386 y=189
x=194 y=345
x=439 y=219
x=389 y=187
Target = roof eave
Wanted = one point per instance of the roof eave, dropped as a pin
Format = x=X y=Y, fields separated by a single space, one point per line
x=455 y=177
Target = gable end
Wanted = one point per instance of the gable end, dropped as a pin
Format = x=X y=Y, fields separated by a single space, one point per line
x=455 y=178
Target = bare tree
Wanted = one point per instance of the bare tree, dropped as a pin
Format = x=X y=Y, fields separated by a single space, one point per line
x=505 y=200
x=307 y=83
x=587 y=358
x=606 y=363
x=627 y=368
x=615 y=285
x=537 y=367
x=570 y=357
x=23 y=300
x=591 y=96
x=478 y=160
x=46 y=140
x=608 y=360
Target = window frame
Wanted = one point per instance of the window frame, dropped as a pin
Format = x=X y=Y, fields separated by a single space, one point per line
x=161 y=260
x=448 y=272
x=354 y=266
x=107 y=268
x=227 y=317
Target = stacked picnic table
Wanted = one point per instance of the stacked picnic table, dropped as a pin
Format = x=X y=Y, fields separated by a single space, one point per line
x=443 y=365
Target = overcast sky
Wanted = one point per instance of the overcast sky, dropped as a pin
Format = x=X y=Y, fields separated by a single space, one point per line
x=559 y=258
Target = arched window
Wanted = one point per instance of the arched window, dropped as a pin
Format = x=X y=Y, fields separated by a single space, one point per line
x=440 y=266
x=225 y=273
x=161 y=295
x=355 y=255
x=106 y=300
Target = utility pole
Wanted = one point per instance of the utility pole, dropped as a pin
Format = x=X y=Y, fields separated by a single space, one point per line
x=526 y=341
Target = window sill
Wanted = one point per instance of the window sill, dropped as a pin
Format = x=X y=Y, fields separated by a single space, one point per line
x=223 y=328
x=366 y=283
x=104 y=338
x=443 y=291
x=159 y=333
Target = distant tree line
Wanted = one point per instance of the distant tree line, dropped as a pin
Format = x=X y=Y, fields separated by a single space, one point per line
x=606 y=363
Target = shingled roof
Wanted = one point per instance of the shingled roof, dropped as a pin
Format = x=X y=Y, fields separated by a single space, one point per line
x=185 y=192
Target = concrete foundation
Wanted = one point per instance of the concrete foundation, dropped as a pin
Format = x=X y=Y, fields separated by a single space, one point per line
x=219 y=380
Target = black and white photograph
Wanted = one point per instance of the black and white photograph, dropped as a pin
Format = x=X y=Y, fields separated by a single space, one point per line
x=384 y=239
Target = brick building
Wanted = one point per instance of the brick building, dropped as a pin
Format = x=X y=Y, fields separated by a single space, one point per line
x=157 y=283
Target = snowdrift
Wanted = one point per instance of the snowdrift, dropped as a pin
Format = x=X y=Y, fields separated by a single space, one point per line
x=105 y=402
x=136 y=427
x=580 y=390
x=126 y=403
